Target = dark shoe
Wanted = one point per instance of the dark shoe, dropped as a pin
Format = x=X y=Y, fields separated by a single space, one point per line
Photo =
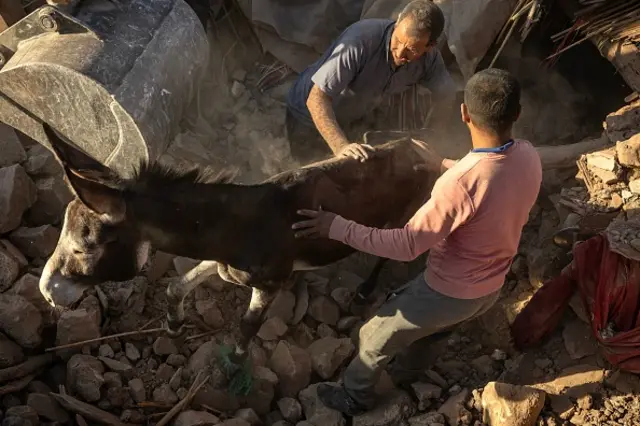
x=337 y=398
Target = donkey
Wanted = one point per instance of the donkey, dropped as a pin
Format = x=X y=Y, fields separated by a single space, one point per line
x=242 y=232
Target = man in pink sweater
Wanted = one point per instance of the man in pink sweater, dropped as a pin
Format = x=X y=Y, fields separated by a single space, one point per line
x=471 y=224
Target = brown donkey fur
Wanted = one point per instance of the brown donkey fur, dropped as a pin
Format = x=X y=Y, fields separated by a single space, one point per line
x=242 y=232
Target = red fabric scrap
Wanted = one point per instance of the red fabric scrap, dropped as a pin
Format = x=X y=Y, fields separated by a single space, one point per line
x=609 y=286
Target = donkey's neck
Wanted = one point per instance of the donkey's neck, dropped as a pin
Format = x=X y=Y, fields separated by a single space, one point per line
x=202 y=221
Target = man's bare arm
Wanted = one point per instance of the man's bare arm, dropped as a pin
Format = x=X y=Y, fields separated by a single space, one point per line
x=324 y=118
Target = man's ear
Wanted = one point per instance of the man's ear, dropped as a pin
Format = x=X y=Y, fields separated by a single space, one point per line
x=464 y=114
x=92 y=183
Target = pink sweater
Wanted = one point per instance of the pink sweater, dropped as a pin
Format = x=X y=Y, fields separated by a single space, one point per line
x=472 y=222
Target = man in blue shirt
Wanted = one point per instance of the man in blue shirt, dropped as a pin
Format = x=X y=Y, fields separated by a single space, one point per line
x=370 y=59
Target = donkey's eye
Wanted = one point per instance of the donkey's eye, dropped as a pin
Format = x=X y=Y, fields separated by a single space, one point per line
x=78 y=252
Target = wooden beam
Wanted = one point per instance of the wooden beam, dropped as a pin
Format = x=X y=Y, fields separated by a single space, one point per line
x=11 y=11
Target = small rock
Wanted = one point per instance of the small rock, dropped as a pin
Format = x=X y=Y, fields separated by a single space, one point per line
x=117 y=366
x=390 y=412
x=323 y=309
x=202 y=359
x=347 y=279
x=282 y=306
x=290 y=409
x=634 y=186
x=176 y=360
x=585 y=402
x=265 y=374
x=499 y=355
x=53 y=195
x=20 y=320
x=575 y=381
x=237 y=89
x=425 y=392
x=543 y=363
x=316 y=412
x=455 y=389
x=562 y=406
x=210 y=313
x=483 y=364
x=36 y=242
x=10 y=147
x=235 y=422
x=118 y=396
x=131 y=351
x=510 y=405
x=328 y=354
x=272 y=329
x=47 y=407
x=176 y=379
x=629 y=151
x=165 y=394
x=343 y=297
x=131 y=416
x=17 y=194
x=292 y=365
x=239 y=74
x=112 y=380
x=13 y=251
x=453 y=409
x=164 y=346
x=303 y=335
x=76 y=326
x=9 y=269
x=436 y=378
x=428 y=419
x=106 y=351
x=248 y=415
x=85 y=377
x=196 y=418
x=41 y=162
x=605 y=160
x=347 y=323
x=325 y=330
x=165 y=372
x=137 y=390
x=10 y=352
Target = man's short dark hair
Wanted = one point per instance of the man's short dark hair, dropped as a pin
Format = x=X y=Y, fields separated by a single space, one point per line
x=492 y=97
x=426 y=17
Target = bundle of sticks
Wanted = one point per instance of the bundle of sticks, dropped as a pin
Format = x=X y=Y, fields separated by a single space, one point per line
x=616 y=21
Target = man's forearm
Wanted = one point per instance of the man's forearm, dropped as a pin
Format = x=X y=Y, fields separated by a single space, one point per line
x=324 y=118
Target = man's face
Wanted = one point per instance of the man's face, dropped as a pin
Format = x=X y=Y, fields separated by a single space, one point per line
x=405 y=46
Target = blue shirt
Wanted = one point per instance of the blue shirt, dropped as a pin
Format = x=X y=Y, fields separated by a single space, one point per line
x=358 y=70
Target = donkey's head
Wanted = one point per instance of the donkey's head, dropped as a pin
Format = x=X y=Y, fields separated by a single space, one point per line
x=98 y=241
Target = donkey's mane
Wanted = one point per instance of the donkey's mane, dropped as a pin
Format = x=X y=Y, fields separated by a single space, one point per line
x=161 y=176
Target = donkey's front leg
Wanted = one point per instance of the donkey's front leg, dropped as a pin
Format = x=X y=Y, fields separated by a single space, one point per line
x=179 y=288
x=251 y=320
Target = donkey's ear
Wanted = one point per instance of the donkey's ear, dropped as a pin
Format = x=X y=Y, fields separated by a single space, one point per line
x=93 y=183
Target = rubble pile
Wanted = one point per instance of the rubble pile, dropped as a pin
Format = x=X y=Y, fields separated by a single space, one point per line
x=610 y=179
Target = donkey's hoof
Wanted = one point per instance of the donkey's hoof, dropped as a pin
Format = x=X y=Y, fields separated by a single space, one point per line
x=175 y=329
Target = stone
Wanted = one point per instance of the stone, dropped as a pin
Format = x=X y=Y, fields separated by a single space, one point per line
x=118 y=396
x=316 y=412
x=76 y=326
x=20 y=320
x=176 y=360
x=454 y=408
x=10 y=352
x=325 y=330
x=176 y=380
x=578 y=339
x=112 y=380
x=342 y=297
x=195 y=418
x=91 y=304
x=85 y=377
x=624 y=382
x=41 y=162
x=131 y=417
x=36 y=242
x=634 y=186
x=282 y=306
x=137 y=390
x=575 y=381
x=131 y=351
x=272 y=329
x=304 y=335
x=249 y=416
x=237 y=89
x=14 y=252
x=12 y=150
x=28 y=286
x=605 y=160
x=628 y=151
x=239 y=74
x=202 y=359
x=165 y=372
x=347 y=323
x=562 y=406
x=510 y=405
x=606 y=176
x=328 y=354
x=53 y=196
x=265 y=374
x=165 y=394
x=235 y=422
x=425 y=393
x=389 y=412
x=483 y=364
x=292 y=365
x=210 y=313
x=347 y=279
x=106 y=351
x=164 y=346
x=27 y=415
x=9 y=269
x=17 y=194
x=324 y=309
x=435 y=378
x=290 y=409
x=432 y=418
x=47 y=407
